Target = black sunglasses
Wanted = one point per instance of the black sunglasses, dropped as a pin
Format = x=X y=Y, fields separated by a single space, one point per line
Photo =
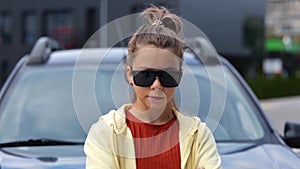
x=145 y=78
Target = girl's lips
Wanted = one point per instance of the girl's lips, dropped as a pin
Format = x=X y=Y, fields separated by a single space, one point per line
x=155 y=97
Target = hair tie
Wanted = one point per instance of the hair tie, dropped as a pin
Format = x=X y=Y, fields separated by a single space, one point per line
x=157 y=22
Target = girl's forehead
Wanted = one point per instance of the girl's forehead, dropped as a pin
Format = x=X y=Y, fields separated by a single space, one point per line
x=152 y=49
x=150 y=57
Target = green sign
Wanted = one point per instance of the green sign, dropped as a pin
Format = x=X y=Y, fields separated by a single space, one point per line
x=277 y=45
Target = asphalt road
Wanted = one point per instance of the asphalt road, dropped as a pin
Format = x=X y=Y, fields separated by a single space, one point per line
x=280 y=110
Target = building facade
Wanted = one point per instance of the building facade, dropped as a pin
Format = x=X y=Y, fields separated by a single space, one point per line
x=234 y=27
x=23 y=22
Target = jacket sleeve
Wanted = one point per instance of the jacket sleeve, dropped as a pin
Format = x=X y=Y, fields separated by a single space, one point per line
x=206 y=154
x=98 y=149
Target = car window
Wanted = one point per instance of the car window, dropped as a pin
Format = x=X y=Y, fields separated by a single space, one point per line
x=40 y=104
x=239 y=117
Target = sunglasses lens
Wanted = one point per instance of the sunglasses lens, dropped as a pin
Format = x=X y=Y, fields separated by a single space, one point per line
x=146 y=78
x=170 y=79
x=143 y=78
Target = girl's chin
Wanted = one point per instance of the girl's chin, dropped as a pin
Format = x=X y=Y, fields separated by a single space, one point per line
x=157 y=106
x=151 y=104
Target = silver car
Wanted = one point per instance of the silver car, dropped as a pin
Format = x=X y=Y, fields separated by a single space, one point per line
x=53 y=96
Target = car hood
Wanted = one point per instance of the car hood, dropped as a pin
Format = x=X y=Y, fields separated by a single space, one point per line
x=234 y=156
x=43 y=157
x=246 y=156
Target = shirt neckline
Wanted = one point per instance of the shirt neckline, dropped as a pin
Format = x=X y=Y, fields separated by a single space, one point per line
x=130 y=117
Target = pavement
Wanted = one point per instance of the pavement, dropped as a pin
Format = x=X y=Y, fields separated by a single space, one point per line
x=280 y=110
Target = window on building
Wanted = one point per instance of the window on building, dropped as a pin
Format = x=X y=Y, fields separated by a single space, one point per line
x=59 y=25
x=5 y=28
x=30 y=28
x=253 y=29
x=91 y=22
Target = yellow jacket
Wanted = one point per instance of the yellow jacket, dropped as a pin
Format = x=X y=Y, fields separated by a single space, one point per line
x=109 y=144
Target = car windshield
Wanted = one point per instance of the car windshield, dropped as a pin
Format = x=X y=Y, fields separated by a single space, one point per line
x=40 y=104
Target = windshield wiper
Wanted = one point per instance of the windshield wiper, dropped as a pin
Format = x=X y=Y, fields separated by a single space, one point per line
x=38 y=142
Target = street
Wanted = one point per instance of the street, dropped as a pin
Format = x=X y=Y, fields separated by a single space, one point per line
x=280 y=110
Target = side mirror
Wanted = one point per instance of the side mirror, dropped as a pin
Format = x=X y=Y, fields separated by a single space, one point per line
x=292 y=134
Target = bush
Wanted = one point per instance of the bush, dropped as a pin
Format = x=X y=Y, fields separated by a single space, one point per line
x=272 y=87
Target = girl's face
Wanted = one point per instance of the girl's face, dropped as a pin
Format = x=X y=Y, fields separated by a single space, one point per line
x=156 y=96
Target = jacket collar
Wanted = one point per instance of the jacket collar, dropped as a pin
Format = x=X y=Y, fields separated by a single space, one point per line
x=187 y=124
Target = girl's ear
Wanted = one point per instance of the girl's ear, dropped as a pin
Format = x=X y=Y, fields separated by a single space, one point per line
x=129 y=75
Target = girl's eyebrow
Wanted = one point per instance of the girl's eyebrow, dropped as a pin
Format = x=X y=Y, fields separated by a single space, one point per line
x=170 y=68
x=149 y=68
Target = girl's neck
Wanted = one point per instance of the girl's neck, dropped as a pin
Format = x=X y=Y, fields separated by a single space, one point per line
x=153 y=116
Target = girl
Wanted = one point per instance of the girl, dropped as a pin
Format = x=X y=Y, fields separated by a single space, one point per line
x=151 y=132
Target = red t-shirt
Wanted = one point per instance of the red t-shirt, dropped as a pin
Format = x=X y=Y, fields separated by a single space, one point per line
x=156 y=146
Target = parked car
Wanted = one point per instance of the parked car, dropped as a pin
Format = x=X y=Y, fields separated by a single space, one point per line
x=53 y=96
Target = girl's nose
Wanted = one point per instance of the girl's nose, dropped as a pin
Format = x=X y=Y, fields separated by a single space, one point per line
x=156 y=84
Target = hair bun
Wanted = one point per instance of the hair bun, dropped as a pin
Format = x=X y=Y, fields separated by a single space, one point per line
x=161 y=29
x=161 y=16
x=171 y=24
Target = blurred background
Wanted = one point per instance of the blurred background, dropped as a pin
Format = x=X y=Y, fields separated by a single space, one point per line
x=259 y=37
x=237 y=29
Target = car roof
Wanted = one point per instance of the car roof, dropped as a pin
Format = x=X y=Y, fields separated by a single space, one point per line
x=48 y=52
x=105 y=55
x=90 y=55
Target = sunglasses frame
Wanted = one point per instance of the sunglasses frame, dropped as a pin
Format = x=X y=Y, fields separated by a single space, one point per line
x=170 y=74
